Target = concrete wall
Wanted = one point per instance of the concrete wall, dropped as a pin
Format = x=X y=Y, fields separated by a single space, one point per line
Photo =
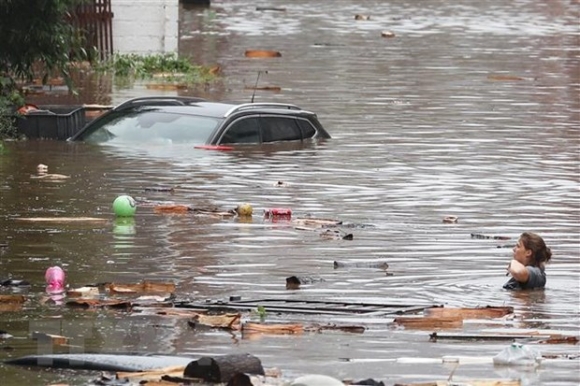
x=145 y=26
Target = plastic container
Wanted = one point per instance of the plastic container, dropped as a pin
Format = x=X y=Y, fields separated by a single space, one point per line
x=278 y=212
x=518 y=355
x=52 y=122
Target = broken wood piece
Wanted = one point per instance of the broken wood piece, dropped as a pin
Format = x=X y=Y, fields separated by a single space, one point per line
x=487 y=312
x=223 y=368
x=317 y=222
x=559 y=339
x=334 y=327
x=273 y=328
x=428 y=322
x=176 y=209
x=228 y=321
x=57 y=340
x=294 y=282
x=375 y=264
x=12 y=299
x=150 y=375
x=264 y=88
x=143 y=287
x=10 y=303
x=262 y=54
x=83 y=292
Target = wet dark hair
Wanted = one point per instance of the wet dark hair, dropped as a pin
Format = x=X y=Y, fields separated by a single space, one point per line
x=541 y=253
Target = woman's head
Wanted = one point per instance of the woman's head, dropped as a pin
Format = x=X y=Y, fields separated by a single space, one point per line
x=532 y=250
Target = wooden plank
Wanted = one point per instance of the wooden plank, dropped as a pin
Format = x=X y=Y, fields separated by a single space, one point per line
x=488 y=312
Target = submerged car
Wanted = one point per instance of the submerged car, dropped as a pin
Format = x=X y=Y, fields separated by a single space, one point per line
x=209 y=124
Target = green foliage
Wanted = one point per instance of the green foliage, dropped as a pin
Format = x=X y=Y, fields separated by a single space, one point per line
x=261 y=312
x=165 y=67
x=38 y=39
x=37 y=32
x=10 y=97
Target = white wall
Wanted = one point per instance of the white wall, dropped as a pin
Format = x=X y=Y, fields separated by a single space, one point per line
x=145 y=26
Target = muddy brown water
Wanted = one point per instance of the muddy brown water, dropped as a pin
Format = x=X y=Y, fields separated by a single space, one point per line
x=471 y=110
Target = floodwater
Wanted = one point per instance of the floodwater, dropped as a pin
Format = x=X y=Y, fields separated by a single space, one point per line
x=471 y=110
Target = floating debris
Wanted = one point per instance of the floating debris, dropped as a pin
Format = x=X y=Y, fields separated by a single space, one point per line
x=262 y=54
x=294 y=282
x=450 y=219
x=373 y=264
x=388 y=34
x=361 y=17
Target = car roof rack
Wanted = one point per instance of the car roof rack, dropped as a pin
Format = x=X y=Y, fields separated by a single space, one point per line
x=248 y=106
x=156 y=100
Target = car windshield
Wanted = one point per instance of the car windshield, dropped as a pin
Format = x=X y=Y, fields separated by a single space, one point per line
x=152 y=126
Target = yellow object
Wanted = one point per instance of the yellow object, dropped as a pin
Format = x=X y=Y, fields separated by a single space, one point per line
x=244 y=210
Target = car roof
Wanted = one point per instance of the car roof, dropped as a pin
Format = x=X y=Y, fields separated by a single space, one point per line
x=198 y=106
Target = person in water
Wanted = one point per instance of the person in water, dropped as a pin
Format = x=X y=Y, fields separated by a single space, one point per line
x=528 y=264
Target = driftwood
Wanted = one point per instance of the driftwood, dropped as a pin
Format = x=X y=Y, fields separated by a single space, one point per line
x=57 y=340
x=429 y=322
x=227 y=321
x=83 y=292
x=272 y=328
x=262 y=54
x=143 y=287
x=11 y=302
x=294 y=282
x=379 y=264
x=487 y=312
x=152 y=375
x=223 y=368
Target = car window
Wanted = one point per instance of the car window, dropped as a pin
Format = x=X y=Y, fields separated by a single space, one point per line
x=280 y=129
x=154 y=126
x=308 y=131
x=244 y=130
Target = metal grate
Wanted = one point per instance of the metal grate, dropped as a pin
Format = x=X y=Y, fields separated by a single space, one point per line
x=95 y=19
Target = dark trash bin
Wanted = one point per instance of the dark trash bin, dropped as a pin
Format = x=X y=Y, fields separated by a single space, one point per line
x=52 y=122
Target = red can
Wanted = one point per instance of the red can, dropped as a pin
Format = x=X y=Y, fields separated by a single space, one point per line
x=278 y=212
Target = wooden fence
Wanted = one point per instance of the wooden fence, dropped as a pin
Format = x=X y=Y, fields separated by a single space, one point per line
x=95 y=19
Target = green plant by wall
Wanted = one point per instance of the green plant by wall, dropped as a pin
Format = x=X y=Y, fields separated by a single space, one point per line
x=161 y=67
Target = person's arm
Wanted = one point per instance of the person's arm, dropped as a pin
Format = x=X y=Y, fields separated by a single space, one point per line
x=519 y=271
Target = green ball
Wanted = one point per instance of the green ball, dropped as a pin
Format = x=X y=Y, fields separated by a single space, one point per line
x=124 y=206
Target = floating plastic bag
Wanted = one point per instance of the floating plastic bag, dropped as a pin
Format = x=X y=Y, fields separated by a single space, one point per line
x=518 y=355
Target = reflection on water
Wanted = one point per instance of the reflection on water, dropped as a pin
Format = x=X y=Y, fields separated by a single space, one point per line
x=471 y=110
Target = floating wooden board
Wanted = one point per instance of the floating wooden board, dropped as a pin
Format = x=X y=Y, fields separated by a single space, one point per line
x=420 y=323
x=488 y=312
x=310 y=307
